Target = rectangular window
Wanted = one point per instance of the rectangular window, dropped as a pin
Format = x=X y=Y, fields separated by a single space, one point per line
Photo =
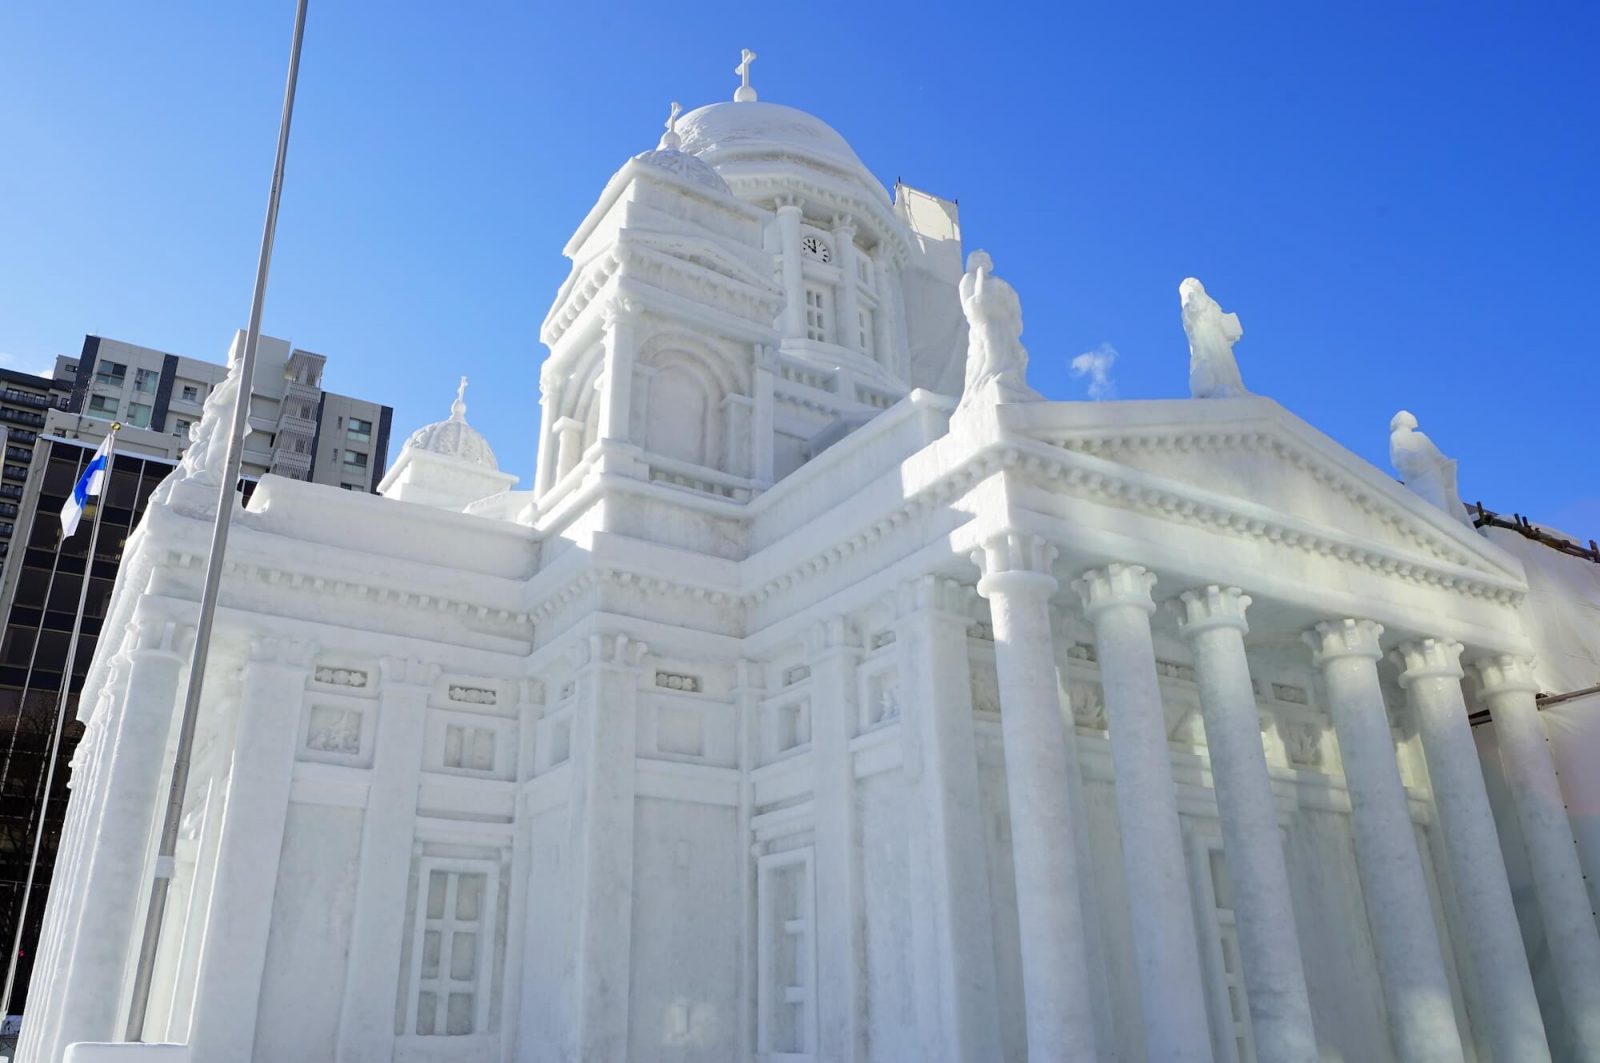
x=181 y=429
x=104 y=405
x=359 y=431
x=144 y=380
x=113 y=373
x=355 y=460
x=817 y=318
x=191 y=393
x=469 y=748
x=786 y=960
x=451 y=949
x=866 y=332
x=138 y=415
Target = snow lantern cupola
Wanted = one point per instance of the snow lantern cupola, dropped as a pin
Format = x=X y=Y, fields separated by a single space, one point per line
x=748 y=256
x=447 y=464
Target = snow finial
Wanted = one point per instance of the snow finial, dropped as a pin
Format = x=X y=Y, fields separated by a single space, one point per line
x=458 y=408
x=744 y=93
x=670 y=141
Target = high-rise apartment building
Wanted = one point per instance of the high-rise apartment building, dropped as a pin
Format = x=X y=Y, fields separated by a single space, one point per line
x=297 y=429
x=25 y=400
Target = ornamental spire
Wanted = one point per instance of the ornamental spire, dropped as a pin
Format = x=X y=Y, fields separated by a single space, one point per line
x=670 y=141
x=744 y=93
x=458 y=408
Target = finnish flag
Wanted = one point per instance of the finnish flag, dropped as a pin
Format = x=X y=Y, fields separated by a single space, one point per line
x=88 y=485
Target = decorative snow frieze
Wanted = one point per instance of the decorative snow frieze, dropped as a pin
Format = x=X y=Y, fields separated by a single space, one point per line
x=473 y=695
x=1088 y=706
x=341 y=677
x=689 y=684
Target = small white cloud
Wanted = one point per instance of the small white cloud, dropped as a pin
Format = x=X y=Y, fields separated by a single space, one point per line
x=28 y=365
x=1096 y=365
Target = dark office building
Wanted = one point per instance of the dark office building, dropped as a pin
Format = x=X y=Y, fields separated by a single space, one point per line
x=24 y=399
x=42 y=581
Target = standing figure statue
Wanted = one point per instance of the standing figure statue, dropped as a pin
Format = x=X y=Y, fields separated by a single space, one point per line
x=1423 y=467
x=206 y=458
x=1213 y=372
x=997 y=362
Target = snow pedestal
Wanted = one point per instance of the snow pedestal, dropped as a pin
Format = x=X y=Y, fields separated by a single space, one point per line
x=1416 y=989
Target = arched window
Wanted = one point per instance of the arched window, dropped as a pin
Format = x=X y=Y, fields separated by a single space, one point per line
x=679 y=416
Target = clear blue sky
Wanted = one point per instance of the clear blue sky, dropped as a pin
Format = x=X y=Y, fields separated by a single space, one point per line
x=1399 y=200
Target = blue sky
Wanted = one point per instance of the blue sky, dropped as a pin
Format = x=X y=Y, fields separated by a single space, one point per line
x=1397 y=199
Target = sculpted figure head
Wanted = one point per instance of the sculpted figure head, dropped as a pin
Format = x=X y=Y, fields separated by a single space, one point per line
x=1403 y=421
x=979 y=260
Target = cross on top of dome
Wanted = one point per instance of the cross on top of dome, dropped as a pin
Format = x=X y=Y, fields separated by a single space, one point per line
x=744 y=93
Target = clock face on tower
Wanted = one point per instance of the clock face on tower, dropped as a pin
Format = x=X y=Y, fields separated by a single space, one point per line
x=816 y=249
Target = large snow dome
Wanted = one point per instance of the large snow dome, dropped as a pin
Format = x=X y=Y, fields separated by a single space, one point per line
x=722 y=133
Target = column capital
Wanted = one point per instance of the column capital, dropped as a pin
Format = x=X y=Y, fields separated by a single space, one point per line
x=1428 y=659
x=832 y=635
x=938 y=594
x=1335 y=639
x=1504 y=673
x=844 y=226
x=787 y=202
x=153 y=632
x=1012 y=560
x=1214 y=606
x=617 y=308
x=272 y=651
x=1113 y=585
x=408 y=671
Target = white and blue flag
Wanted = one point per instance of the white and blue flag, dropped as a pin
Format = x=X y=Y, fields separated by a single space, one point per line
x=88 y=486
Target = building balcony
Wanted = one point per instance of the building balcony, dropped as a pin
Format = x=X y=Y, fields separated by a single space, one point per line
x=293 y=389
x=288 y=424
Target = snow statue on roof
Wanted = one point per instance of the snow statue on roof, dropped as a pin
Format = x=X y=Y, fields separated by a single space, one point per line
x=1423 y=467
x=1213 y=372
x=997 y=362
x=205 y=459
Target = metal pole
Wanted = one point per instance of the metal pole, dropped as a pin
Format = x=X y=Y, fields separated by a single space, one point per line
x=61 y=713
x=168 y=846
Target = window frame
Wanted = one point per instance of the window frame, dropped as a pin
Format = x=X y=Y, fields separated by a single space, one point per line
x=488 y=912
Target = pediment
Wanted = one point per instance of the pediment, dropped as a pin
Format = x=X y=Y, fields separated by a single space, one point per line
x=698 y=251
x=1250 y=462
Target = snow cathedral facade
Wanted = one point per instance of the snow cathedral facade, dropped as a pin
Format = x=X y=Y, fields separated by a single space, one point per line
x=830 y=696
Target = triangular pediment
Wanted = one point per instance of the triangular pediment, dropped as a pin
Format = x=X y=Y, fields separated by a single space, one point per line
x=1252 y=459
x=707 y=254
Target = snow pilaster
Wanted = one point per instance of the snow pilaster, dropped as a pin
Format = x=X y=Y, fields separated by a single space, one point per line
x=1416 y=989
x=1569 y=923
x=1212 y=619
x=1116 y=600
x=1058 y=995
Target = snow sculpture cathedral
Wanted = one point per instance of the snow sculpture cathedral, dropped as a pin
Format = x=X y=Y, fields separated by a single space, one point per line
x=797 y=713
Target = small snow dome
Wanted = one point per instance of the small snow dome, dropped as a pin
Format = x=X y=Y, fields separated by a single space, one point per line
x=454 y=437
x=668 y=155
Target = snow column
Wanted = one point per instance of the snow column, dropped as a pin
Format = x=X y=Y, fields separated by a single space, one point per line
x=1416 y=990
x=953 y=944
x=618 y=359
x=1280 y=1009
x=847 y=329
x=378 y=930
x=1431 y=673
x=1117 y=601
x=116 y=873
x=794 y=287
x=1057 y=994
x=235 y=950
x=1569 y=924
x=602 y=845
x=835 y=650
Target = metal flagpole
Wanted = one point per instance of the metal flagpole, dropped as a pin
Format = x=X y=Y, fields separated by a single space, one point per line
x=168 y=847
x=61 y=714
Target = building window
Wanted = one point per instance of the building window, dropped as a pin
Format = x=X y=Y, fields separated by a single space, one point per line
x=105 y=405
x=468 y=748
x=1231 y=1006
x=354 y=487
x=355 y=461
x=112 y=373
x=786 y=960
x=139 y=415
x=866 y=331
x=191 y=393
x=359 y=431
x=817 y=323
x=145 y=380
x=451 y=950
x=182 y=429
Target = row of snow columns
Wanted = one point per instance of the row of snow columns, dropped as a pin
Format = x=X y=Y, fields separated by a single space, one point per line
x=1509 y=690
x=92 y=969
